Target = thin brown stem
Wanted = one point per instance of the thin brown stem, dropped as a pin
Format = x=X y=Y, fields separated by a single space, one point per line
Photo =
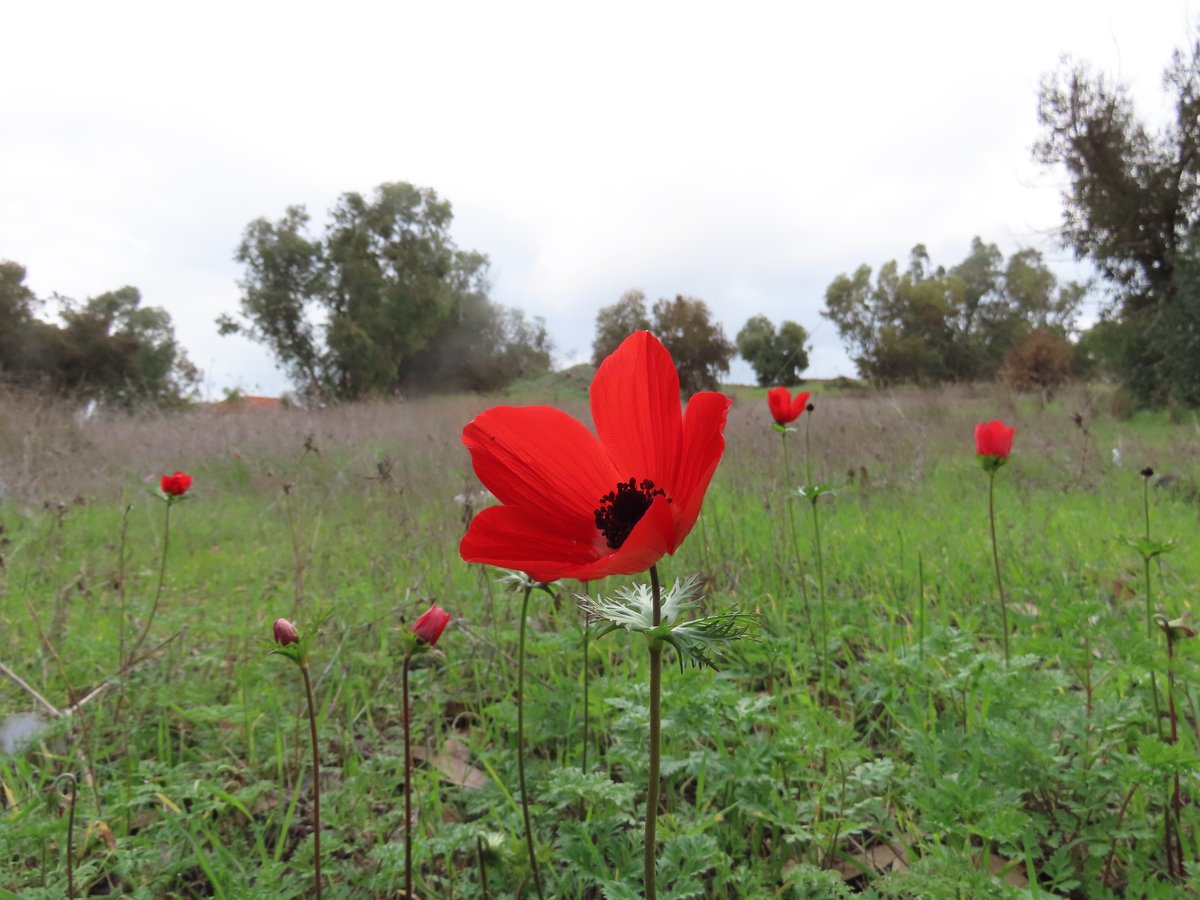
x=1106 y=873
x=316 y=817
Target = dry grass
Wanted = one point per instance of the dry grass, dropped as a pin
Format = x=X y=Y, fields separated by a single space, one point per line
x=50 y=453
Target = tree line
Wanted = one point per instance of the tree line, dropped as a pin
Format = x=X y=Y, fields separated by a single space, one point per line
x=382 y=301
x=110 y=349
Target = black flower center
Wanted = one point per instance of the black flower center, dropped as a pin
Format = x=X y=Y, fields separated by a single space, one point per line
x=621 y=509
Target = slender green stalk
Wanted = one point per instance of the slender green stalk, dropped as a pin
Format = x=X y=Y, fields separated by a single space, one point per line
x=587 y=633
x=1174 y=811
x=162 y=574
x=483 y=879
x=121 y=586
x=583 y=764
x=817 y=548
x=787 y=473
x=408 y=769
x=533 y=863
x=316 y=817
x=1146 y=561
x=67 y=776
x=655 y=728
x=1150 y=601
x=996 y=560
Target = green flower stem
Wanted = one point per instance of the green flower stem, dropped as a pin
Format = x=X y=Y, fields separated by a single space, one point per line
x=1150 y=604
x=162 y=574
x=1146 y=561
x=787 y=472
x=67 y=776
x=820 y=559
x=483 y=879
x=1174 y=813
x=583 y=765
x=996 y=560
x=533 y=863
x=408 y=768
x=821 y=596
x=655 y=728
x=316 y=817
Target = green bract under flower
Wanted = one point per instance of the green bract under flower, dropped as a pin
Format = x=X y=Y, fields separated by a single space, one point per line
x=632 y=608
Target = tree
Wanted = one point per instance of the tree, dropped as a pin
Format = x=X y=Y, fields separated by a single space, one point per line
x=615 y=323
x=396 y=300
x=110 y=349
x=17 y=304
x=1039 y=361
x=776 y=357
x=117 y=351
x=1131 y=206
x=928 y=324
x=685 y=327
x=697 y=344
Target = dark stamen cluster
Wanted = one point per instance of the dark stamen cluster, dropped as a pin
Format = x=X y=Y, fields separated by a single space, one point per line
x=623 y=508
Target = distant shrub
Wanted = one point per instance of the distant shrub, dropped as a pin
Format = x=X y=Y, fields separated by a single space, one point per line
x=1040 y=361
x=1122 y=405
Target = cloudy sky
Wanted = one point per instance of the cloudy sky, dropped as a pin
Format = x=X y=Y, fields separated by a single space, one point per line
x=742 y=153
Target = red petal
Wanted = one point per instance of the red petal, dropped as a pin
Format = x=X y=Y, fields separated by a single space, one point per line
x=703 y=444
x=779 y=403
x=512 y=538
x=543 y=461
x=635 y=407
x=799 y=405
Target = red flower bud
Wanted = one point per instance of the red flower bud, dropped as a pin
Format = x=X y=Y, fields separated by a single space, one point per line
x=994 y=439
x=784 y=407
x=430 y=625
x=176 y=485
x=286 y=633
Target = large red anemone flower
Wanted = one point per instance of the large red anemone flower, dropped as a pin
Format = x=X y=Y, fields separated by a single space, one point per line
x=784 y=407
x=574 y=506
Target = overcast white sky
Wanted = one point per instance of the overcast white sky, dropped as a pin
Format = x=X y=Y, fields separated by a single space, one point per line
x=742 y=153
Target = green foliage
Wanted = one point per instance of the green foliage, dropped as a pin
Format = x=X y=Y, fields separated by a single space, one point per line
x=615 y=323
x=697 y=343
x=684 y=325
x=1132 y=207
x=930 y=325
x=110 y=349
x=777 y=357
x=401 y=307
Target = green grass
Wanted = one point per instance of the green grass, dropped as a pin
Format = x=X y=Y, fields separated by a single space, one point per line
x=929 y=769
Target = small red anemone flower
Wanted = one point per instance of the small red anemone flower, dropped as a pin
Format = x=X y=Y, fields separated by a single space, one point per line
x=584 y=506
x=430 y=624
x=784 y=407
x=993 y=440
x=176 y=485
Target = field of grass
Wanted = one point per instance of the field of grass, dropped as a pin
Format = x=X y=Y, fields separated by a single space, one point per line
x=924 y=766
